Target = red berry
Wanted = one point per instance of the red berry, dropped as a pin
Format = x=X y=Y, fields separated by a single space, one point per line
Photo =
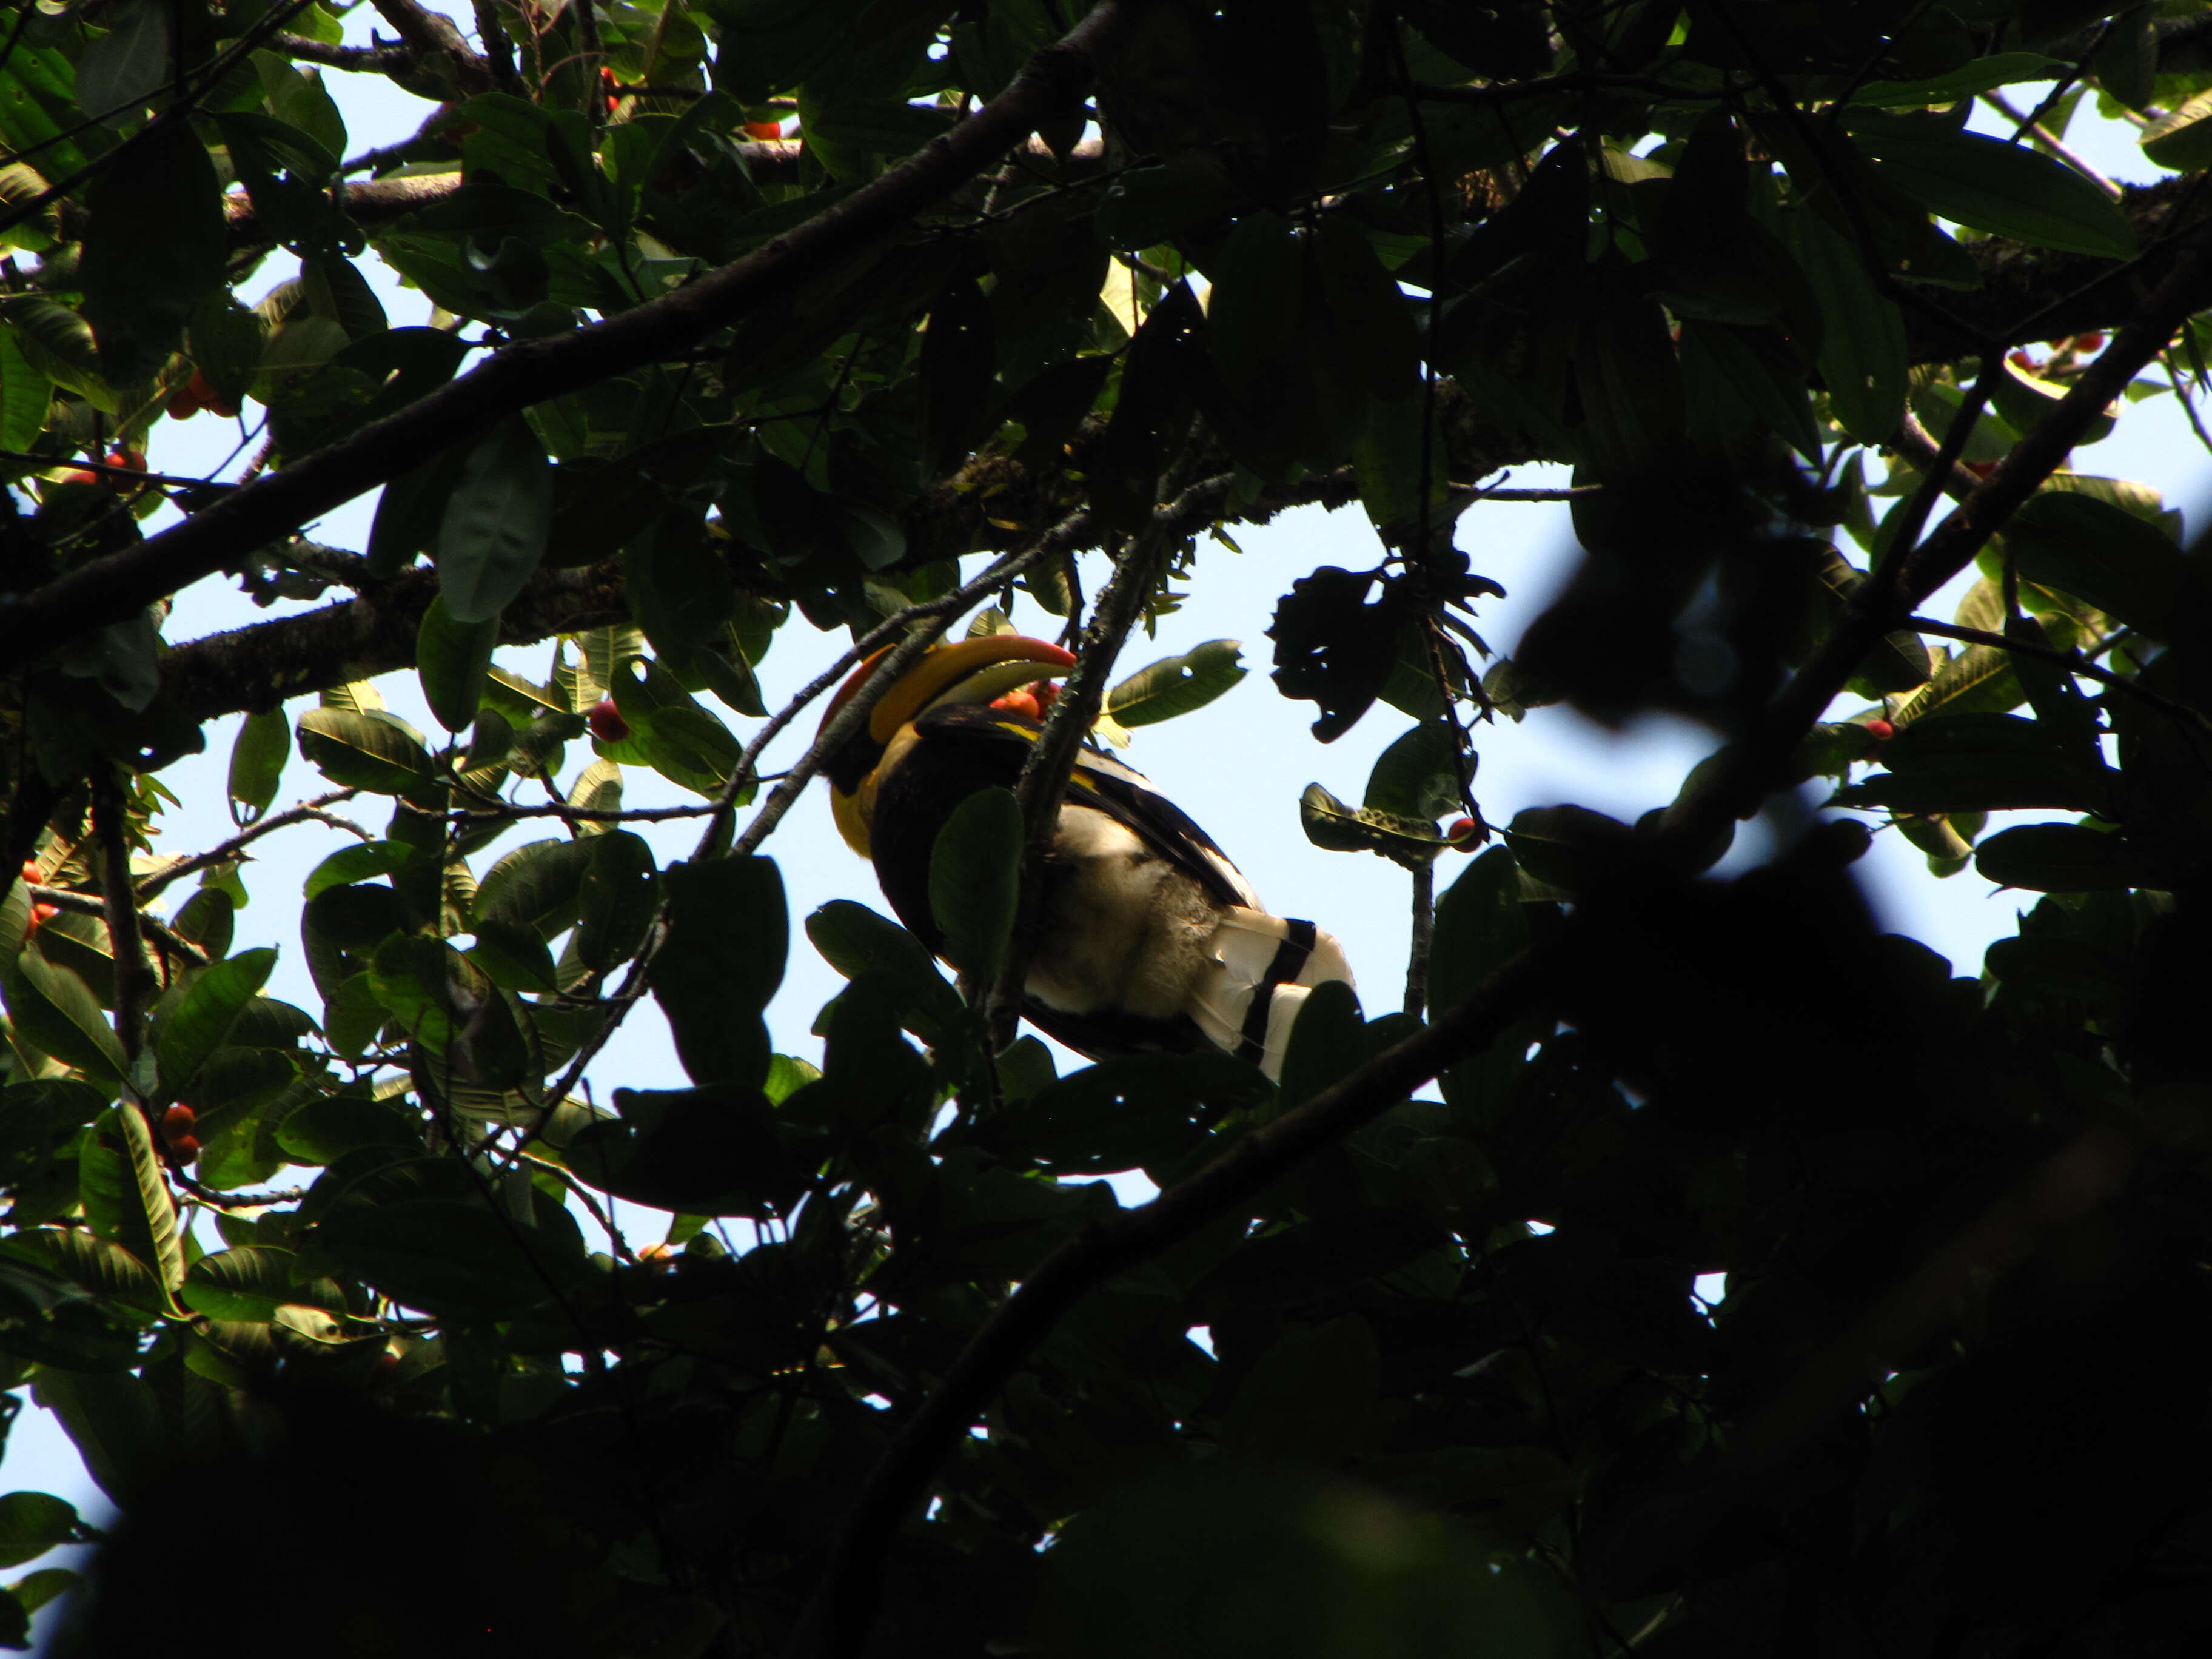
x=178 y=1122
x=2021 y=359
x=1882 y=730
x=185 y=401
x=32 y=874
x=765 y=133
x=2088 y=344
x=185 y=1149
x=1019 y=701
x=130 y=460
x=1047 y=693
x=1461 y=833
x=606 y=721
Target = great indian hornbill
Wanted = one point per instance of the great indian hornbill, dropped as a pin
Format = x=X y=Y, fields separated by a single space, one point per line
x=1151 y=938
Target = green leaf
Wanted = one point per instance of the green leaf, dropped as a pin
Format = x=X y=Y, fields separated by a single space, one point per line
x=58 y=1012
x=154 y=247
x=2060 y=858
x=363 y=752
x=1310 y=1397
x=34 y=1590
x=248 y=1284
x=2078 y=545
x=115 y=1423
x=618 y=895
x=257 y=763
x=452 y=658
x=1862 y=356
x=1976 y=762
x=2182 y=139
x=712 y=1151
x=728 y=933
x=1982 y=75
x=1130 y=1113
x=1252 y=312
x=534 y=888
x=1342 y=828
x=975 y=879
x=210 y=1006
x=1177 y=685
x=1416 y=777
x=156 y=1210
x=2008 y=190
x=495 y=523
x=856 y=940
x=124 y=68
x=362 y=862
x=33 y=1522
x=1147 y=206
x=445 y=1256
x=1567 y=847
x=25 y=397
x=323 y=1130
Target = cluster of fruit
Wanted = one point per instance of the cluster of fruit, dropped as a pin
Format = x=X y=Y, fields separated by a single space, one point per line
x=1035 y=701
x=32 y=878
x=127 y=460
x=196 y=395
x=178 y=1124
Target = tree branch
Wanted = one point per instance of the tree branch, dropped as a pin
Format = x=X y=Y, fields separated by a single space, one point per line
x=121 y=584
x=316 y=810
x=258 y=666
x=360 y=60
x=1045 y=775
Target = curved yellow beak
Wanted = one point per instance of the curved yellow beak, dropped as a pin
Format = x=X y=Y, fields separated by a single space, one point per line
x=970 y=670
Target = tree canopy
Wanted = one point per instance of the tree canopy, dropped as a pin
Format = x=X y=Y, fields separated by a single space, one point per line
x=757 y=318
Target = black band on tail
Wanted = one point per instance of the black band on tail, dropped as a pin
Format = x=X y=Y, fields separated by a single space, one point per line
x=1290 y=961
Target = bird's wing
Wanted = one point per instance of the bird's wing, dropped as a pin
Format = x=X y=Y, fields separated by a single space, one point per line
x=1105 y=784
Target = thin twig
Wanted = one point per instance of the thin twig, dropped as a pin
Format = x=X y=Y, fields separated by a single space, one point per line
x=225 y=851
x=2050 y=141
x=1917 y=445
x=501 y=814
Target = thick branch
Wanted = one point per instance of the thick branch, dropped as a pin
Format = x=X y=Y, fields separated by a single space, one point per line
x=258 y=667
x=120 y=585
x=843 y=1605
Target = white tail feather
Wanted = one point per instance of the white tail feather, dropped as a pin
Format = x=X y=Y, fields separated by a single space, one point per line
x=1242 y=951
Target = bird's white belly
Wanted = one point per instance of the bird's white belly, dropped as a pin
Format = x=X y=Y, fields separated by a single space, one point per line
x=1123 y=929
